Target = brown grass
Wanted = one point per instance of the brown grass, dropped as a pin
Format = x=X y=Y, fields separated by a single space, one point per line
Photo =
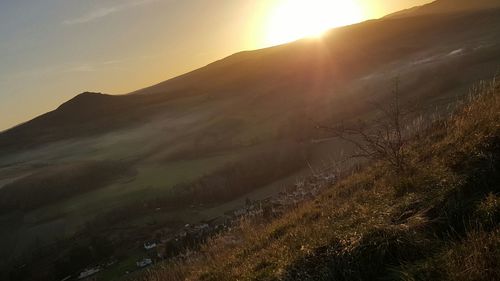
x=375 y=224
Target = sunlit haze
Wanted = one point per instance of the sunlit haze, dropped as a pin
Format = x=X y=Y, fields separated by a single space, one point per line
x=52 y=50
x=294 y=19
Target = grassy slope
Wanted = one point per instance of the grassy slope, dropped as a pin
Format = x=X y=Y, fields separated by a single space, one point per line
x=438 y=222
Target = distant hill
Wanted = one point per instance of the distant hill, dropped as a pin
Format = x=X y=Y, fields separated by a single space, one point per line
x=447 y=6
x=86 y=114
x=296 y=71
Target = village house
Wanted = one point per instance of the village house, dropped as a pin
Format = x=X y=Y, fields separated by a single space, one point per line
x=88 y=272
x=144 y=262
x=149 y=245
x=178 y=244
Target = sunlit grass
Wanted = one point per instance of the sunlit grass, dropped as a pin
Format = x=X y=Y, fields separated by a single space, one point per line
x=364 y=228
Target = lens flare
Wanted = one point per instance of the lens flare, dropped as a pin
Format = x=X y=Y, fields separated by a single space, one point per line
x=294 y=19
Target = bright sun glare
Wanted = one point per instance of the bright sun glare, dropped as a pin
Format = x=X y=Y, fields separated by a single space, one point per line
x=294 y=19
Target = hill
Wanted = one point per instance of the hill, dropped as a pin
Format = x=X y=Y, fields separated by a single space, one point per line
x=447 y=6
x=264 y=77
x=378 y=224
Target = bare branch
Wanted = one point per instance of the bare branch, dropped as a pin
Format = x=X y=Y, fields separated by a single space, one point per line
x=383 y=137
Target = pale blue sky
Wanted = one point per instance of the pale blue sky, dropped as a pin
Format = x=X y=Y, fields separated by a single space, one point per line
x=51 y=50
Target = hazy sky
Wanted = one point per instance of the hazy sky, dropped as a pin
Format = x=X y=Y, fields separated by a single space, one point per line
x=51 y=50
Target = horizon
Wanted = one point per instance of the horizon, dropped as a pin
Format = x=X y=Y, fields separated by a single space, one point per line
x=40 y=76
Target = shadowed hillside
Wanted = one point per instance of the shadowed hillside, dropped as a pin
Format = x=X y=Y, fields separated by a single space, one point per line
x=304 y=72
x=447 y=6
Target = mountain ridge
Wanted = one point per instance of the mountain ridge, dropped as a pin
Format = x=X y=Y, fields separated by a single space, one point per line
x=446 y=6
x=311 y=66
x=345 y=54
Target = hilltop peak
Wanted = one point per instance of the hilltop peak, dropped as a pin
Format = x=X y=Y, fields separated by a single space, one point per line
x=85 y=98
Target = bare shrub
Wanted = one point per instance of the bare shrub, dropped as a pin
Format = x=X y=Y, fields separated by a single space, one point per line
x=384 y=137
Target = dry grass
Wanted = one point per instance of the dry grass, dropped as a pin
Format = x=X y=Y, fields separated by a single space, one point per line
x=375 y=224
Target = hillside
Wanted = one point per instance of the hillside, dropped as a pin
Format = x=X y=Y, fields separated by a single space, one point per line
x=91 y=181
x=447 y=6
x=376 y=224
x=297 y=70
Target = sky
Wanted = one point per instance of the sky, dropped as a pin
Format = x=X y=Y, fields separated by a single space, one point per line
x=52 y=50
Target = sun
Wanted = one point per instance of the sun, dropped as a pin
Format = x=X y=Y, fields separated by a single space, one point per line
x=290 y=20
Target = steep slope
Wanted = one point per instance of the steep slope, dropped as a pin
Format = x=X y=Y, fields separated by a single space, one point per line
x=378 y=224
